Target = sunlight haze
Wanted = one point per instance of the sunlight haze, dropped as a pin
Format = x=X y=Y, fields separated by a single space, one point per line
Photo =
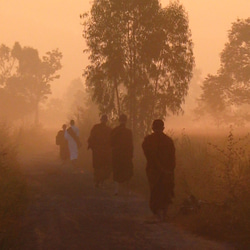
x=46 y=25
x=149 y=149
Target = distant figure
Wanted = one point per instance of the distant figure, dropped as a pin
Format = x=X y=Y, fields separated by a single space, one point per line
x=72 y=136
x=160 y=154
x=99 y=143
x=62 y=143
x=122 y=153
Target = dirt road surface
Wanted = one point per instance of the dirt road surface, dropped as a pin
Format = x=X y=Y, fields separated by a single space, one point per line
x=67 y=212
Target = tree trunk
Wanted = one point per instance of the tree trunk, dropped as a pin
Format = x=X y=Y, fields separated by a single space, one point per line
x=36 y=114
x=117 y=97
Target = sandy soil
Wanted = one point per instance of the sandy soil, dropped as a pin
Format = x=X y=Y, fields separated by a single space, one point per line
x=67 y=212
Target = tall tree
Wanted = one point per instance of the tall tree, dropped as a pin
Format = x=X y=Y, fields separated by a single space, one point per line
x=29 y=82
x=141 y=58
x=227 y=94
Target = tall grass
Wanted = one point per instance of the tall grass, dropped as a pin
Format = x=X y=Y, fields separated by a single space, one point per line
x=216 y=171
x=13 y=193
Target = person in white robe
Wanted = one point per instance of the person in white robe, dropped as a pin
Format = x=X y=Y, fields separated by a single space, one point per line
x=72 y=136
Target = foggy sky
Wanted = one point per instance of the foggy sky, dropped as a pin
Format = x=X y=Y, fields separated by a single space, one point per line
x=49 y=24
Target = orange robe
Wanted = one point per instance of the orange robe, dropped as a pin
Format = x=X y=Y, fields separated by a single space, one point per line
x=160 y=154
x=122 y=153
x=63 y=144
x=99 y=143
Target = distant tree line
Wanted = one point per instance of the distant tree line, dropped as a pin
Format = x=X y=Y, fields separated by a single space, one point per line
x=25 y=80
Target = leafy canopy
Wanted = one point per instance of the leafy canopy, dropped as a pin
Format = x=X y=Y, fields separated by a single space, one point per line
x=141 y=58
x=25 y=78
x=226 y=95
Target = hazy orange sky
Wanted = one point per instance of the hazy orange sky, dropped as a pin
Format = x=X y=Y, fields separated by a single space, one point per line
x=49 y=24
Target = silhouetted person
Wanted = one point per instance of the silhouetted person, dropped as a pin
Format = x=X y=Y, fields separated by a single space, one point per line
x=99 y=143
x=72 y=136
x=159 y=150
x=62 y=143
x=122 y=153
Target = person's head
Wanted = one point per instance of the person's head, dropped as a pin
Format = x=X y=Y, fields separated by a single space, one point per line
x=123 y=118
x=72 y=123
x=158 y=125
x=64 y=126
x=104 y=118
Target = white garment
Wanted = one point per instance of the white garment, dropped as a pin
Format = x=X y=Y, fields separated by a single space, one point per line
x=73 y=149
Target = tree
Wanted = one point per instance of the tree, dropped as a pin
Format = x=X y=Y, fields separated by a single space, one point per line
x=7 y=64
x=227 y=94
x=26 y=77
x=138 y=65
x=75 y=94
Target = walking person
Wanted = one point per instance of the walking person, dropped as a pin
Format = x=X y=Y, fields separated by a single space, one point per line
x=122 y=153
x=72 y=136
x=159 y=151
x=63 y=144
x=99 y=143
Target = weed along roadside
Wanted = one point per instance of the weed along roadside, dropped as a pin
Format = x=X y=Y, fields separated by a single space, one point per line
x=215 y=171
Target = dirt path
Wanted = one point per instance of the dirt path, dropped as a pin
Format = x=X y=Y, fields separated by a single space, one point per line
x=67 y=212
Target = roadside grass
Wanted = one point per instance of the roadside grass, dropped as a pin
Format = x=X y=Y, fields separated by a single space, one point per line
x=215 y=171
x=13 y=191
